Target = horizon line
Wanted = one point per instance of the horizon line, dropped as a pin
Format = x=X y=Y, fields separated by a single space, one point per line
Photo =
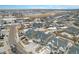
x=39 y=6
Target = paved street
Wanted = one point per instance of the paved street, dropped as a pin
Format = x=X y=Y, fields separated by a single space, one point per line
x=12 y=39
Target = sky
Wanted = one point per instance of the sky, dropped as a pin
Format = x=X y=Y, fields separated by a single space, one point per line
x=39 y=6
